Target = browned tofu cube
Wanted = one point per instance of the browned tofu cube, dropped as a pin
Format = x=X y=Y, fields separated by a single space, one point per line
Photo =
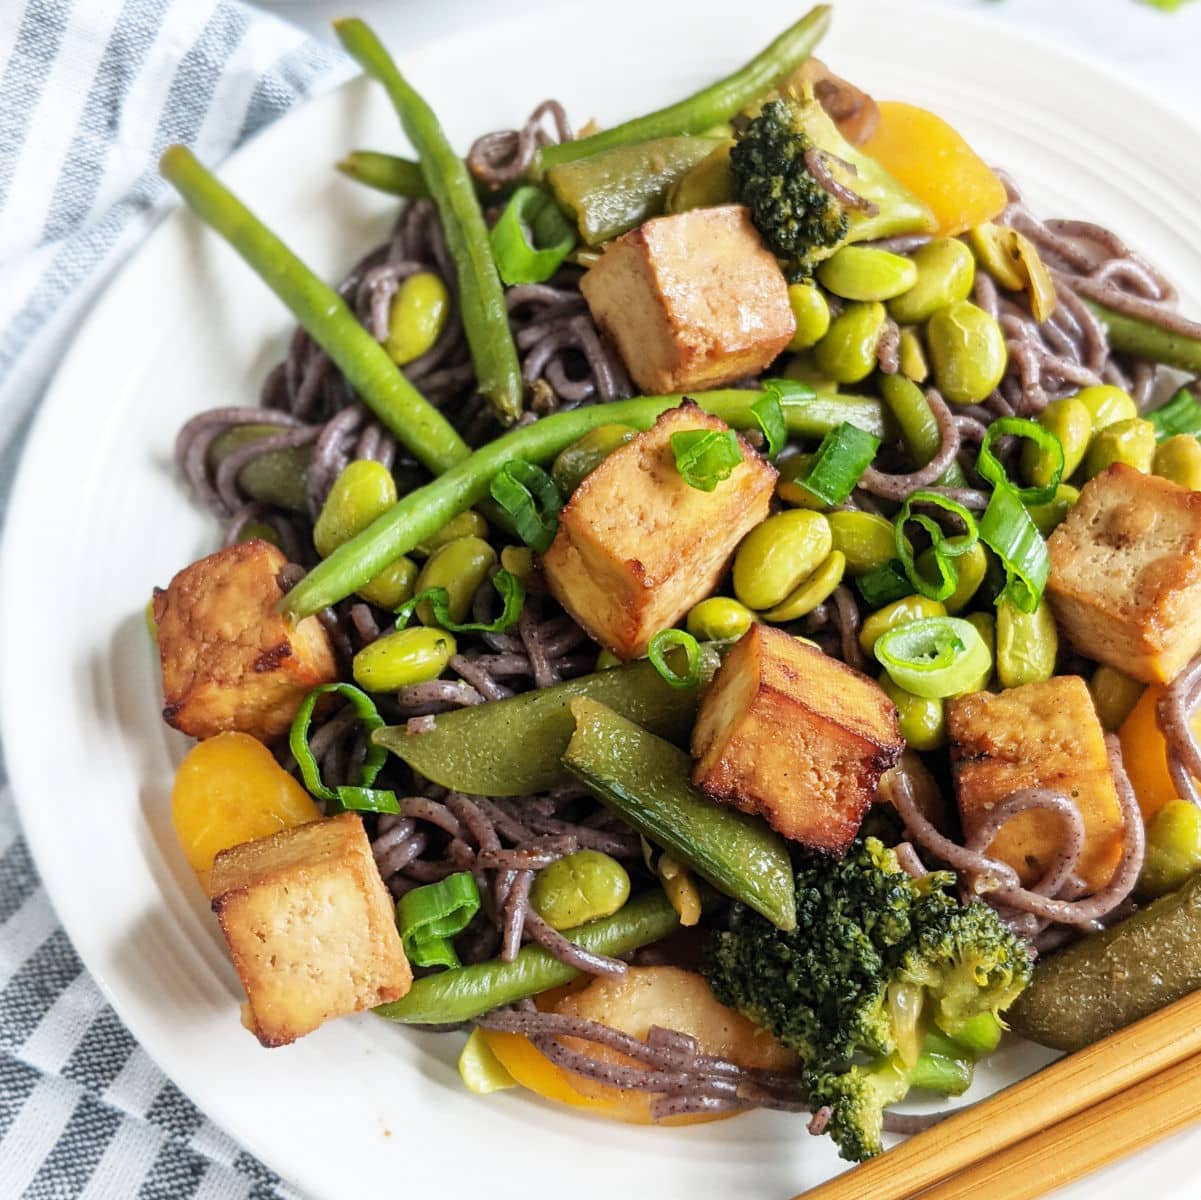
x=637 y=547
x=1125 y=579
x=796 y=736
x=229 y=660
x=1043 y=735
x=310 y=927
x=692 y=301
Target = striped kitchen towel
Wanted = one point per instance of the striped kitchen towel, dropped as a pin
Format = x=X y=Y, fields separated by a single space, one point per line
x=91 y=91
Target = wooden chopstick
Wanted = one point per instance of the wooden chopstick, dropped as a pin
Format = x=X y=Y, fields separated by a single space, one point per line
x=1068 y=1086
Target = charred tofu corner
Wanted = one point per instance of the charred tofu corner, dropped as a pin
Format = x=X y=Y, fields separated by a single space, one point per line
x=796 y=736
x=691 y=301
x=310 y=927
x=637 y=547
x=229 y=659
x=1125 y=580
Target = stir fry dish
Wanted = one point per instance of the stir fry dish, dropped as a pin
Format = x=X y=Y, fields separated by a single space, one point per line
x=711 y=607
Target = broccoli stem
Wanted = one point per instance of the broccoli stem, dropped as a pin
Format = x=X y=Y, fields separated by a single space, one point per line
x=941 y=1067
x=714 y=104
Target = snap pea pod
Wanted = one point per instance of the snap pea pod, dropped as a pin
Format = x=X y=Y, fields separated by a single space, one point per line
x=611 y=192
x=428 y=508
x=481 y=296
x=713 y=105
x=415 y=423
x=466 y=992
x=515 y=747
x=645 y=780
x=385 y=173
x=1146 y=340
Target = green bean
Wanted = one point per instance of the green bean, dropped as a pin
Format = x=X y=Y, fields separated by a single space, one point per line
x=415 y=423
x=385 y=173
x=1144 y=339
x=481 y=296
x=466 y=992
x=584 y=886
x=715 y=104
x=919 y=426
x=426 y=509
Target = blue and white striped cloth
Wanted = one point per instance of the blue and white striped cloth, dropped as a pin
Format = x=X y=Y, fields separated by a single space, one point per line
x=91 y=91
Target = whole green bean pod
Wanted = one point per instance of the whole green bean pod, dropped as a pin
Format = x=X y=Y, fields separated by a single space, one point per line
x=481 y=296
x=385 y=173
x=426 y=509
x=1146 y=340
x=466 y=992
x=714 y=104
x=415 y=423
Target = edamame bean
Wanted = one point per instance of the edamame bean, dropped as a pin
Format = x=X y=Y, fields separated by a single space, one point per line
x=811 y=592
x=864 y=273
x=945 y=271
x=900 y=612
x=1179 y=459
x=460 y=567
x=258 y=530
x=519 y=561
x=866 y=540
x=1173 y=852
x=402 y=658
x=1107 y=404
x=911 y=356
x=392 y=586
x=417 y=317
x=995 y=248
x=718 y=618
x=1027 y=644
x=1072 y=423
x=847 y=353
x=606 y=660
x=985 y=625
x=583 y=456
x=804 y=369
x=812 y=315
x=468 y=523
x=971 y=566
x=777 y=554
x=923 y=722
x=1114 y=695
x=363 y=491
x=967 y=352
x=1047 y=516
x=583 y=886
x=1131 y=442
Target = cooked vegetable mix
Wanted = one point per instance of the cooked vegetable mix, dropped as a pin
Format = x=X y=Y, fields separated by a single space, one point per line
x=775 y=738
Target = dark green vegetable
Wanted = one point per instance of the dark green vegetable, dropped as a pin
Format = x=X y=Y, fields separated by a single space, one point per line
x=1110 y=979
x=416 y=424
x=467 y=992
x=529 y=495
x=713 y=105
x=514 y=747
x=531 y=238
x=275 y=477
x=645 y=780
x=884 y=584
x=1181 y=414
x=1008 y=530
x=428 y=917
x=843 y=456
x=385 y=173
x=481 y=297
x=877 y=959
x=614 y=191
x=1146 y=340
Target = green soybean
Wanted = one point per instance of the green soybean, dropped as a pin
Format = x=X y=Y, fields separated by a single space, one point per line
x=864 y=273
x=1027 y=644
x=812 y=315
x=584 y=886
x=967 y=352
x=810 y=592
x=1131 y=442
x=911 y=356
x=461 y=567
x=1048 y=515
x=971 y=566
x=777 y=554
x=1107 y=404
x=1114 y=695
x=404 y=657
x=1179 y=459
x=465 y=524
x=945 y=271
x=865 y=540
x=363 y=491
x=1070 y=420
x=392 y=586
x=922 y=721
x=891 y=616
x=718 y=619
x=585 y=454
x=1173 y=852
x=416 y=317
x=847 y=354
x=985 y=625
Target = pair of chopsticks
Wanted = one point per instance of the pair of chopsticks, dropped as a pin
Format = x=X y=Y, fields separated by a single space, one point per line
x=1075 y=1116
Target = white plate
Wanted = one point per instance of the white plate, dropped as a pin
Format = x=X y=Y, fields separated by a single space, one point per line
x=362 y=1108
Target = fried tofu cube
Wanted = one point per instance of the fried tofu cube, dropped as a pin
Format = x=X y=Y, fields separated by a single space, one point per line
x=637 y=546
x=1125 y=580
x=692 y=300
x=229 y=660
x=310 y=927
x=796 y=736
x=1044 y=735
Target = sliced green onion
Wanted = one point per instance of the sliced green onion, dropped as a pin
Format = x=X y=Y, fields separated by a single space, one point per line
x=532 y=237
x=990 y=466
x=769 y=416
x=528 y=494
x=845 y=453
x=705 y=457
x=1008 y=530
x=944 y=549
x=933 y=657
x=359 y=796
x=663 y=641
x=884 y=584
x=510 y=589
x=428 y=917
x=1181 y=414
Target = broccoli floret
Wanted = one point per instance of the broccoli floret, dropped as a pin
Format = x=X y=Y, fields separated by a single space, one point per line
x=879 y=963
x=798 y=218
